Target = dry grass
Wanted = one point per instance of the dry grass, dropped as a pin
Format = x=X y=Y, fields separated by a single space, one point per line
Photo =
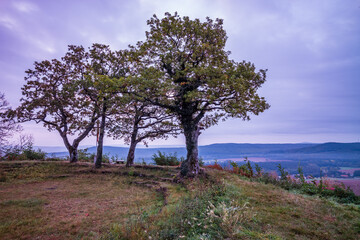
x=63 y=201
x=295 y=216
x=42 y=200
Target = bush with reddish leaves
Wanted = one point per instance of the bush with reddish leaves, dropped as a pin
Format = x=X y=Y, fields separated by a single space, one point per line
x=215 y=166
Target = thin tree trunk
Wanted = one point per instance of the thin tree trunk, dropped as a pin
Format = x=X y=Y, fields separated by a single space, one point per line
x=131 y=153
x=190 y=167
x=99 y=151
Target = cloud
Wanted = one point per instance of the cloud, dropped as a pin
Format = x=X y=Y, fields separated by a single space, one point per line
x=311 y=49
x=8 y=22
x=25 y=7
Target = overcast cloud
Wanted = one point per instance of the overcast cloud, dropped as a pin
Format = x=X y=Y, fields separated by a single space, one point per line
x=310 y=48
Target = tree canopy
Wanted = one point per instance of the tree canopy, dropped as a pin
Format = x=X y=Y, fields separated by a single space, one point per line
x=180 y=77
x=188 y=72
x=53 y=96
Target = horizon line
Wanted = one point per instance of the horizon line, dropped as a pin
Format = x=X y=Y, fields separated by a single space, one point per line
x=183 y=145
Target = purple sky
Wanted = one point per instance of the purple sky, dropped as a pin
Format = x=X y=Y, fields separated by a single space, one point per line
x=311 y=48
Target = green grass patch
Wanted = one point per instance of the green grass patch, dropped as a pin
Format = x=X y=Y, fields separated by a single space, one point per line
x=27 y=203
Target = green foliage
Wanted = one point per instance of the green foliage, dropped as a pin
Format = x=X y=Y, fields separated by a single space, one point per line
x=258 y=170
x=309 y=188
x=164 y=159
x=85 y=156
x=301 y=174
x=283 y=174
x=32 y=154
x=26 y=152
x=245 y=169
x=185 y=69
x=249 y=168
x=321 y=188
x=346 y=195
x=188 y=57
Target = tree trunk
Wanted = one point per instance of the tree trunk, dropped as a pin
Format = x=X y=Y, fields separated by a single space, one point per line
x=73 y=152
x=131 y=154
x=72 y=149
x=99 y=151
x=190 y=167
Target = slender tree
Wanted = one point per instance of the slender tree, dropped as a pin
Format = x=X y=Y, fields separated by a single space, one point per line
x=7 y=125
x=186 y=70
x=53 y=96
x=139 y=121
x=103 y=86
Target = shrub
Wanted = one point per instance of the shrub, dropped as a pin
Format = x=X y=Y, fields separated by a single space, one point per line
x=258 y=170
x=283 y=173
x=85 y=156
x=13 y=153
x=24 y=150
x=163 y=159
x=32 y=154
x=215 y=166
x=323 y=188
x=245 y=169
x=301 y=175
x=17 y=153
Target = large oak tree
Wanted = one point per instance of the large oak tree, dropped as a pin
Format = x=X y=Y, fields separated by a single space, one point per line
x=187 y=71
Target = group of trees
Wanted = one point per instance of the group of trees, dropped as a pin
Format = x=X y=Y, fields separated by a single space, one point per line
x=179 y=80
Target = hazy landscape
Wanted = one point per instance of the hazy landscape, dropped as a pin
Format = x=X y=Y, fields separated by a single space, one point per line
x=317 y=160
x=250 y=108
x=328 y=158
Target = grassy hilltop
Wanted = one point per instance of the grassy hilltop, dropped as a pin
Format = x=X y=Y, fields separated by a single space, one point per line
x=58 y=200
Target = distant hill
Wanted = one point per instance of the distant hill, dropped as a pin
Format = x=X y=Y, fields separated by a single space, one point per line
x=237 y=150
x=311 y=156
x=330 y=147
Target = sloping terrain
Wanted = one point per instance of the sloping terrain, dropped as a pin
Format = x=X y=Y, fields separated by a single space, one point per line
x=58 y=200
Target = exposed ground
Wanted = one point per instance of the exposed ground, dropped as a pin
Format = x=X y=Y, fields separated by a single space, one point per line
x=58 y=200
x=64 y=201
